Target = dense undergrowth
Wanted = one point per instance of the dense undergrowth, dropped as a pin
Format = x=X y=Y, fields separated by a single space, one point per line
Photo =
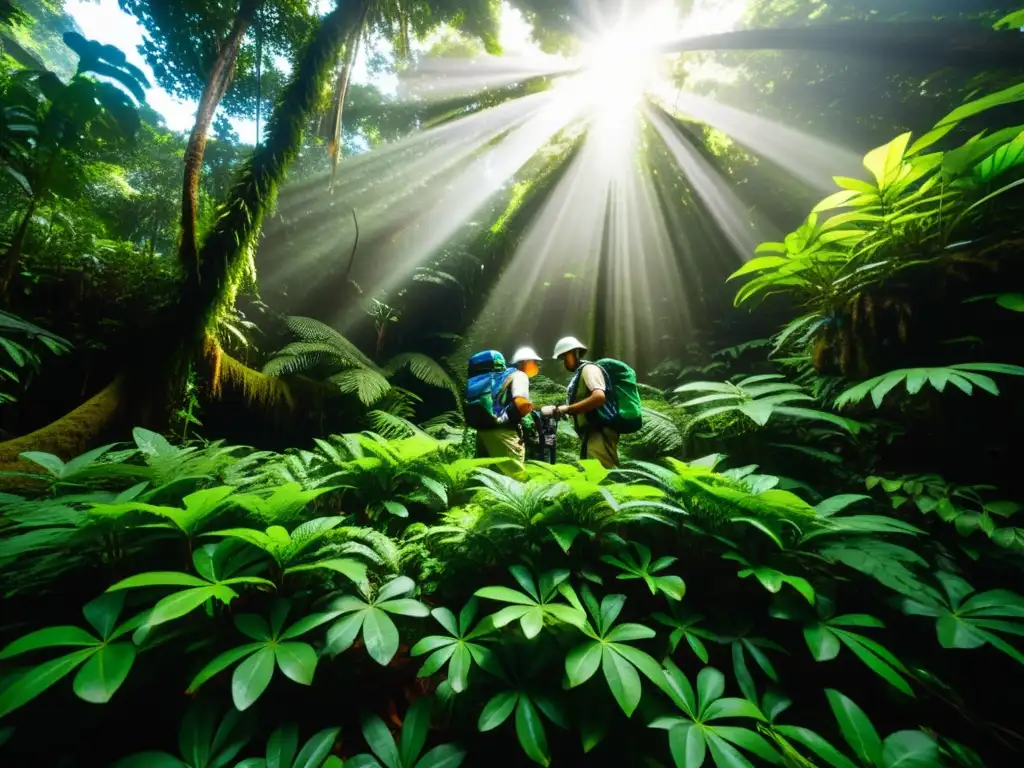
x=568 y=613
x=810 y=556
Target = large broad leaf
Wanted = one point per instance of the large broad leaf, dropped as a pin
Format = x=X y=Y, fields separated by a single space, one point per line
x=885 y=161
x=856 y=728
x=1006 y=96
x=104 y=672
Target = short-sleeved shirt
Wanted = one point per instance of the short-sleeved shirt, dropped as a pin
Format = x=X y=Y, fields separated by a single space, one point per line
x=591 y=379
x=519 y=385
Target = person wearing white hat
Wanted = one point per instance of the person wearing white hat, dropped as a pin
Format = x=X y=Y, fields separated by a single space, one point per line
x=597 y=441
x=506 y=441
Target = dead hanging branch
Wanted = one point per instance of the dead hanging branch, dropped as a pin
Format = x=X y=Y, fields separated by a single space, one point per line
x=355 y=245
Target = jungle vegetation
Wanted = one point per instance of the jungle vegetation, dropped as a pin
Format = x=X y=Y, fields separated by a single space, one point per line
x=231 y=535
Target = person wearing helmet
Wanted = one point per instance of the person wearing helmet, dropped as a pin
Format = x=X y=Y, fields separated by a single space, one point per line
x=506 y=441
x=586 y=394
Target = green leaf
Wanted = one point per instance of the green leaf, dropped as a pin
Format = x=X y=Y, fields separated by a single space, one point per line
x=497 y=710
x=723 y=753
x=314 y=751
x=297 y=661
x=281 y=747
x=405 y=607
x=307 y=623
x=414 y=730
x=858 y=731
x=505 y=595
x=343 y=633
x=622 y=679
x=976 y=106
x=379 y=738
x=47 y=461
x=104 y=672
x=251 y=625
x=51 y=637
x=251 y=678
x=869 y=652
x=181 y=603
x=582 y=662
x=102 y=612
x=221 y=662
x=443 y=756
x=458 y=669
x=749 y=741
x=822 y=641
x=380 y=636
x=909 y=749
x=731 y=708
x=686 y=743
x=530 y=731
x=38 y=679
x=710 y=686
x=353 y=569
x=817 y=745
x=830 y=506
x=159 y=579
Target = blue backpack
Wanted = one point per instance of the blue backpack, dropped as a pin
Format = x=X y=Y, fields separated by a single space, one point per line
x=487 y=403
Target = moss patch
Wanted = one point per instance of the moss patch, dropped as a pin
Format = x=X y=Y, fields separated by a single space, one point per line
x=72 y=434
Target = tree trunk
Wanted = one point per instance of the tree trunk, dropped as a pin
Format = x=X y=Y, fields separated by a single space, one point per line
x=344 y=76
x=251 y=194
x=13 y=256
x=256 y=184
x=73 y=434
x=217 y=82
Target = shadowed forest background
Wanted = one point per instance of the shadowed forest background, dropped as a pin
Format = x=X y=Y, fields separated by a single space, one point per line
x=245 y=258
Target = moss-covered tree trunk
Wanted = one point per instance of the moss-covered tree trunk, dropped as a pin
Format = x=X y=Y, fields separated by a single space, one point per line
x=221 y=257
x=217 y=83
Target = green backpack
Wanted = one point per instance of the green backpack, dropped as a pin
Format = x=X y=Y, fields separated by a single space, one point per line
x=621 y=410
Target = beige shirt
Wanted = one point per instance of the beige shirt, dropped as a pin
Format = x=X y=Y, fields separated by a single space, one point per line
x=592 y=378
x=519 y=385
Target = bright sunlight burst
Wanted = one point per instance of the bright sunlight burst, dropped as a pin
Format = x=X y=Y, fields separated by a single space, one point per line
x=618 y=66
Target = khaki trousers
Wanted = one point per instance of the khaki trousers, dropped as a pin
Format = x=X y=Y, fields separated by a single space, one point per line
x=601 y=444
x=502 y=444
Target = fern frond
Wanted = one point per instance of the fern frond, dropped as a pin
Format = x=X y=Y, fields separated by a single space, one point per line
x=391 y=426
x=660 y=434
x=374 y=546
x=426 y=369
x=310 y=330
x=367 y=384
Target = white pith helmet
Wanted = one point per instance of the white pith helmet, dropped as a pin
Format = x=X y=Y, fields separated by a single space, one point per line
x=525 y=353
x=568 y=344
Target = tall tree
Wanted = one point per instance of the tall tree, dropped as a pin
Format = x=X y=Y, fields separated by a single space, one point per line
x=196 y=44
x=223 y=250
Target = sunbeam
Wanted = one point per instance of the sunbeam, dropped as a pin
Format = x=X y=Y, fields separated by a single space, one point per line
x=812 y=160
